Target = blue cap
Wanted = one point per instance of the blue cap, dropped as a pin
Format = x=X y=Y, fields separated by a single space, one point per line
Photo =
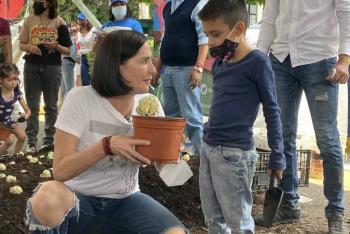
x=81 y=16
x=113 y=1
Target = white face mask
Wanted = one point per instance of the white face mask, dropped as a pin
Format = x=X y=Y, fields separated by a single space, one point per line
x=119 y=12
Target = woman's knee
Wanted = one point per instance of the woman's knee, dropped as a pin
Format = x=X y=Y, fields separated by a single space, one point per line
x=177 y=230
x=51 y=202
x=20 y=134
x=9 y=141
x=22 y=137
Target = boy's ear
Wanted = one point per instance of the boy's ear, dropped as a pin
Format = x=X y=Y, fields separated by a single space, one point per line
x=240 y=28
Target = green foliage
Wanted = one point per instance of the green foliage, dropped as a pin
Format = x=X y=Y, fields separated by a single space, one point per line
x=261 y=2
x=99 y=8
x=69 y=11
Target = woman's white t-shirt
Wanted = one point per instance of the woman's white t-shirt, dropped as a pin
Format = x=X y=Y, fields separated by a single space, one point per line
x=90 y=117
x=86 y=42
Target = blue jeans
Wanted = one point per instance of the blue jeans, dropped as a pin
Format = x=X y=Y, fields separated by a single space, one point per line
x=136 y=214
x=45 y=79
x=225 y=181
x=67 y=82
x=84 y=70
x=322 y=98
x=179 y=100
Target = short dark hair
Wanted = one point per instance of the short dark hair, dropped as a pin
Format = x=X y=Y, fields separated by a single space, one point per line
x=52 y=8
x=6 y=69
x=128 y=13
x=114 y=50
x=231 y=11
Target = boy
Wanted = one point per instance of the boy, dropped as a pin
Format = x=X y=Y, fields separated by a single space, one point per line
x=243 y=79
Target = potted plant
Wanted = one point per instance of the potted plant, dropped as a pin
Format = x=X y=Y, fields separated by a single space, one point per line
x=5 y=132
x=165 y=134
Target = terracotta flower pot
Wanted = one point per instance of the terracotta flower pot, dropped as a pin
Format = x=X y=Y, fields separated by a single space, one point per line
x=165 y=135
x=5 y=132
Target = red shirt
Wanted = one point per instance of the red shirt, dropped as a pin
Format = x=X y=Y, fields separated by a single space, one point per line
x=4 y=27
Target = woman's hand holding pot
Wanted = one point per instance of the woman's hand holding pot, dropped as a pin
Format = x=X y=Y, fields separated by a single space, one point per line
x=125 y=147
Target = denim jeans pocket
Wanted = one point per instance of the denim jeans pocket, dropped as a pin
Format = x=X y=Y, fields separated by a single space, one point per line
x=231 y=155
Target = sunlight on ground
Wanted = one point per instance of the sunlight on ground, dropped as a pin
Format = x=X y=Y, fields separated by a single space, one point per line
x=346 y=181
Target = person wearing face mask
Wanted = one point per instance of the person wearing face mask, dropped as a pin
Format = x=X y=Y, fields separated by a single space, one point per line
x=44 y=37
x=243 y=79
x=96 y=167
x=120 y=17
x=86 y=41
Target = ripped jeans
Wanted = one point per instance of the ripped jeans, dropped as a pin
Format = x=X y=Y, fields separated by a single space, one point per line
x=322 y=98
x=136 y=214
x=225 y=181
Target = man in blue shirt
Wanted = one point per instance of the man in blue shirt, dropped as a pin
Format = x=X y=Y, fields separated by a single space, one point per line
x=182 y=54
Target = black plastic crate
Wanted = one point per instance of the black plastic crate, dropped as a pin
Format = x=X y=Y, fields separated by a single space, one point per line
x=261 y=178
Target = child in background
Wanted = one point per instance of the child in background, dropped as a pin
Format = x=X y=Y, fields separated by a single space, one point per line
x=9 y=95
x=243 y=79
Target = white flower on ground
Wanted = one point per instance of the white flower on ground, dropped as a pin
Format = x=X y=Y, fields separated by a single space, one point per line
x=50 y=155
x=23 y=171
x=2 y=175
x=34 y=160
x=2 y=167
x=11 y=179
x=29 y=157
x=186 y=157
x=45 y=174
x=20 y=154
x=42 y=156
x=12 y=163
x=16 y=189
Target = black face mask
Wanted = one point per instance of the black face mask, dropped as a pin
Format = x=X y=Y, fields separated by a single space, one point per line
x=38 y=8
x=224 y=51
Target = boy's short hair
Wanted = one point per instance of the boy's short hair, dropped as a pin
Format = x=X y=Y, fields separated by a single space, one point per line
x=231 y=11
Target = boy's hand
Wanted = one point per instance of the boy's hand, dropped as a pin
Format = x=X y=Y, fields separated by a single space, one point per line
x=279 y=173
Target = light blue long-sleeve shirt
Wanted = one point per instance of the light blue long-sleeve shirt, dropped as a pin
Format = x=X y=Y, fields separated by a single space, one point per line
x=202 y=37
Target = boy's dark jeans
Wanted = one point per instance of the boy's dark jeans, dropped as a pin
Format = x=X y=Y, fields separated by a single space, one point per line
x=39 y=78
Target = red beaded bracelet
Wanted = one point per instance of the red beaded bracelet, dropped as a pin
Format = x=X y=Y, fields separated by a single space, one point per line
x=106 y=144
x=198 y=64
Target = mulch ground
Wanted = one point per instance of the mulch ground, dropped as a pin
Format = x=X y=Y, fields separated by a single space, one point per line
x=183 y=201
